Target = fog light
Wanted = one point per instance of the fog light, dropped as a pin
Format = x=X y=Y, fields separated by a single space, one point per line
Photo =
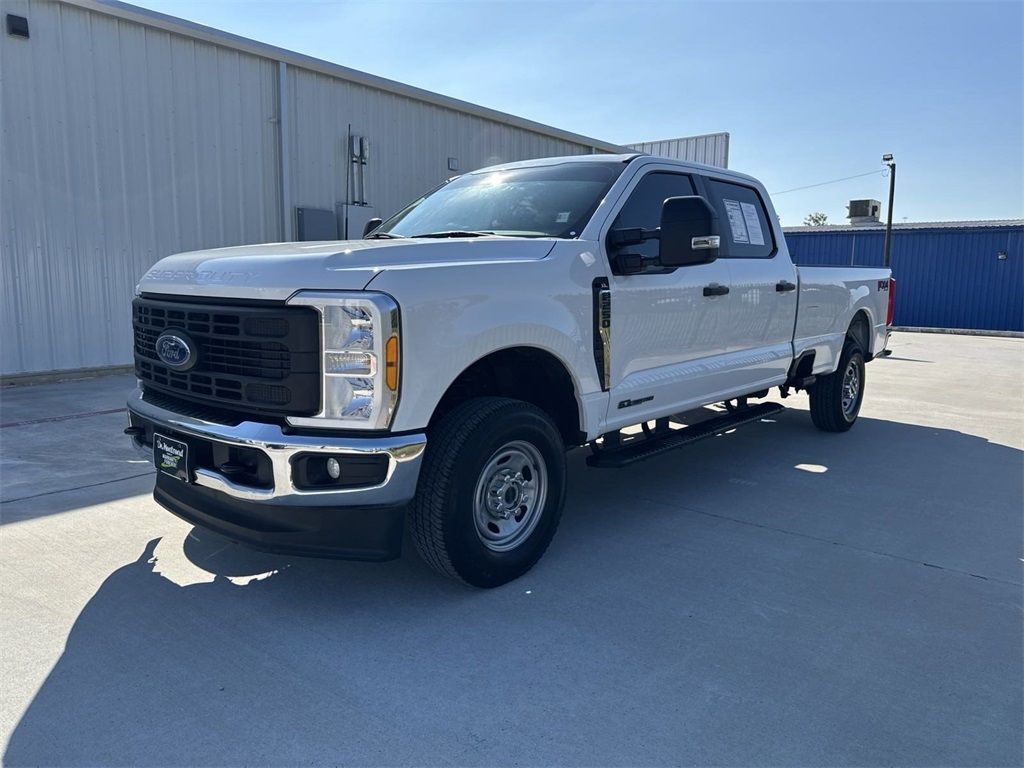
x=333 y=468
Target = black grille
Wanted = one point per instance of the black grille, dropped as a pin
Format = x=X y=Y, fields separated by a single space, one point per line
x=263 y=358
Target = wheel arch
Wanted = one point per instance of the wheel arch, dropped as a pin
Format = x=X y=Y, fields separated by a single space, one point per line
x=523 y=372
x=860 y=330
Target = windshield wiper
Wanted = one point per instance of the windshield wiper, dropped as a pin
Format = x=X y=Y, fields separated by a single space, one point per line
x=455 y=233
x=384 y=236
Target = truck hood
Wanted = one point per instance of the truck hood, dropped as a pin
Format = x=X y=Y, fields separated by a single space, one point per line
x=277 y=270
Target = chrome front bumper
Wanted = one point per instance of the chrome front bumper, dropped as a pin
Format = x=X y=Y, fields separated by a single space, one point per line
x=405 y=454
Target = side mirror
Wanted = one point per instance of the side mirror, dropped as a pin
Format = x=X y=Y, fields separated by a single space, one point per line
x=371 y=225
x=689 y=232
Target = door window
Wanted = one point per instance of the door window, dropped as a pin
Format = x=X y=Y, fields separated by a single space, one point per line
x=742 y=221
x=643 y=208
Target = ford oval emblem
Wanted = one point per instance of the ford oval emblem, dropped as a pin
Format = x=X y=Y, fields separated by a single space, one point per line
x=176 y=350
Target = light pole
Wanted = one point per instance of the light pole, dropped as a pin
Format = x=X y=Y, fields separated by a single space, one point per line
x=887 y=160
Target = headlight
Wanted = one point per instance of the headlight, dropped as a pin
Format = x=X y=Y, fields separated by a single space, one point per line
x=359 y=338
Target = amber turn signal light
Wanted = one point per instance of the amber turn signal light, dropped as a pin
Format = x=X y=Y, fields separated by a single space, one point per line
x=391 y=363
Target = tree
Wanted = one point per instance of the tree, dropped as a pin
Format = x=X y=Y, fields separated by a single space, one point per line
x=816 y=219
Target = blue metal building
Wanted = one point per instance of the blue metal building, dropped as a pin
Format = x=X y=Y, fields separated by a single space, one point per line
x=953 y=274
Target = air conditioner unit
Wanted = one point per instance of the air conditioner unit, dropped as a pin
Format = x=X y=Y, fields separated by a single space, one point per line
x=864 y=210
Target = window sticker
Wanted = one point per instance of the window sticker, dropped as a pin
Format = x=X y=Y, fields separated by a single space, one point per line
x=753 y=224
x=562 y=217
x=736 y=224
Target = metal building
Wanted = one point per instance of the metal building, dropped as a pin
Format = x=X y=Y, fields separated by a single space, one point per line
x=951 y=274
x=128 y=135
x=710 y=149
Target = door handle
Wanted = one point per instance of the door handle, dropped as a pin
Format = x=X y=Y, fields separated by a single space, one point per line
x=784 y=285
x=716 y=290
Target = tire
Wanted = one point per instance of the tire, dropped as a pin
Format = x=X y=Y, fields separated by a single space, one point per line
x=833 y=407
x=491 y=491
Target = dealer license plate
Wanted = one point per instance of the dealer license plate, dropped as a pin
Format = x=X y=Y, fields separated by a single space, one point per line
x=171 y=457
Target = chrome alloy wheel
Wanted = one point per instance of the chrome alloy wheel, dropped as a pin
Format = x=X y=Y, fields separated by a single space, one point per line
x=510 y=495
x=851 y=389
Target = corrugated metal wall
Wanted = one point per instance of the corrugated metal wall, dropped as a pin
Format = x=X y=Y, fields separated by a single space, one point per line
x=947 y=277
x=120 y=144
x=123 y=142
x=410 y=142
x=710 y=149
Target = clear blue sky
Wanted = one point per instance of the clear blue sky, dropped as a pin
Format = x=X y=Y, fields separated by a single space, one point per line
x=810 y=91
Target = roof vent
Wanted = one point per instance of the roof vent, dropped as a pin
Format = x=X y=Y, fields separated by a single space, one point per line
x=864 y=212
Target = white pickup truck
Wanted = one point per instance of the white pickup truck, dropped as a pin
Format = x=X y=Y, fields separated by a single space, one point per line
x=311 y=398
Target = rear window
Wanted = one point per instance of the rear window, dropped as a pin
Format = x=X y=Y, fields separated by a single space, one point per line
x=742 y=221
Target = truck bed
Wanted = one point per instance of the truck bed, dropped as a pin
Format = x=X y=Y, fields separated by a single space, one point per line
x=828 y=298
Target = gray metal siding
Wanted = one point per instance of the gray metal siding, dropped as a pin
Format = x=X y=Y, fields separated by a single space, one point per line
x=710 y=149
x=123 y=142
x=120 y=144
x=411 y=142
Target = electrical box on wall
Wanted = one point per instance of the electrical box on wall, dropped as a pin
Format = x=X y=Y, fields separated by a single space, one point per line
x=316 y=224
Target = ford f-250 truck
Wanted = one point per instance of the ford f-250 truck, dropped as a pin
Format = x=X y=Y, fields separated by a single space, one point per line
x=311 y=398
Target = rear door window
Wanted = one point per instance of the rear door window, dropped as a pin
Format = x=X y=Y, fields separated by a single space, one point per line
x=742 y=221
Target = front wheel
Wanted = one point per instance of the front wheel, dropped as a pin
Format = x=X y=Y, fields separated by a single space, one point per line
x=491 y=491
x=836 y=398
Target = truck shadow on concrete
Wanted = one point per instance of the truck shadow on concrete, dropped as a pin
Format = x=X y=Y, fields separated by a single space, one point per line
x=775 y=596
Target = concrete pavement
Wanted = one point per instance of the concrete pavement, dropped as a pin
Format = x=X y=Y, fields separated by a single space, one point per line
x=777 y=596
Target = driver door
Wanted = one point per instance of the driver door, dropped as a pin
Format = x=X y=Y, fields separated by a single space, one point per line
x=667 y=325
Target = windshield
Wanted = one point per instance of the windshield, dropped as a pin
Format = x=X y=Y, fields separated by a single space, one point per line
x=543 y=201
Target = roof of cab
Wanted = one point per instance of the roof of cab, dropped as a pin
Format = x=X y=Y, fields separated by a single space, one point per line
x=623 y=158
x=542 y=161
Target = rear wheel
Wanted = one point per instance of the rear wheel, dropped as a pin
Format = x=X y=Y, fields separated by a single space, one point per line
x=836 y=398
x=491 y=491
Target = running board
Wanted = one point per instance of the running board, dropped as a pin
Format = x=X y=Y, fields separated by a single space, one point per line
x=640 y=448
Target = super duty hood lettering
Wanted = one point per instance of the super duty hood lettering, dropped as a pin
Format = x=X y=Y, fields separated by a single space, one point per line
x=200 y=276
